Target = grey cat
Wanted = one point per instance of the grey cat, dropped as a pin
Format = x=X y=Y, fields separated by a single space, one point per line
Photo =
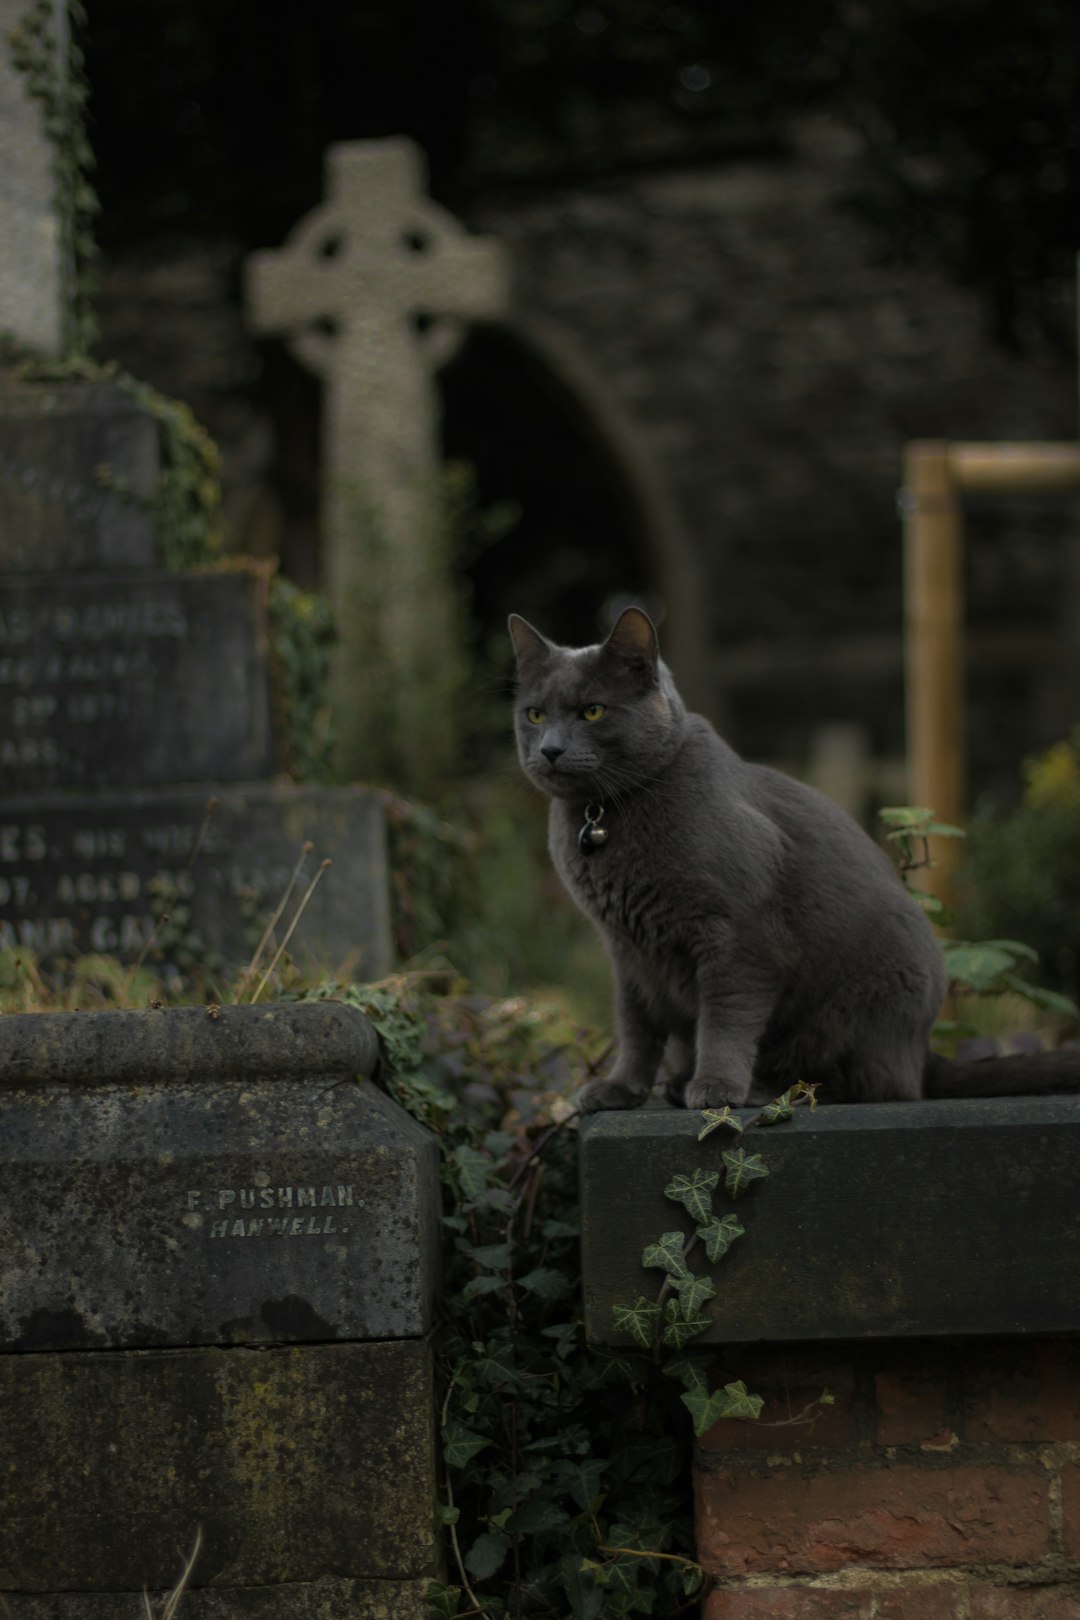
x=757 y=934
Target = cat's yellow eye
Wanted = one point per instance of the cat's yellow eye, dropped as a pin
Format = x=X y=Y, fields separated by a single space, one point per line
x=593 y=711
x=535 y=717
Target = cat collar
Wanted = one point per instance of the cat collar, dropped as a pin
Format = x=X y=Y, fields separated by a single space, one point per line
x=592 y=835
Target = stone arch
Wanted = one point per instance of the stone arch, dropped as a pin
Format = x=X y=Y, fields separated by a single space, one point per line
x=538 y=364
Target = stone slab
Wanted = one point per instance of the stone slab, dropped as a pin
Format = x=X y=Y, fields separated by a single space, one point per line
x=315 y=1600
x=205 y=1179
x=35 y=272
x=93 y=873
x=301 y=1464
x=890 y=1220
x=79 y=467
x=110 y=679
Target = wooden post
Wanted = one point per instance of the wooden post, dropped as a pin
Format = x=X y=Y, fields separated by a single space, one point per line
x=934 y=622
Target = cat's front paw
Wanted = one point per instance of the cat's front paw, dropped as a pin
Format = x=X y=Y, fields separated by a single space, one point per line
x=705 y=1093
x=610 y=1093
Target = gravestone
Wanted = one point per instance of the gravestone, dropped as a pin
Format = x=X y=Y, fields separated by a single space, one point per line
x=368 y=290
x=130 y=697
x=220 y=1246
x=35 y=290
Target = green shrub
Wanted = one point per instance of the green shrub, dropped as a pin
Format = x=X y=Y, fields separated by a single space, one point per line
x=1021 y=874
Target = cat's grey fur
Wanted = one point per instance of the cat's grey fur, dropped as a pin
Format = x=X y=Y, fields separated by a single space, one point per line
x=757 y=934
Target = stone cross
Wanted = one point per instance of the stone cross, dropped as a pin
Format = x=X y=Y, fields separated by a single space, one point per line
x=371 y=290
x=35 y=279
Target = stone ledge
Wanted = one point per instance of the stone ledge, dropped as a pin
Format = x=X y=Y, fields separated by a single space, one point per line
x=172 y=1178
x=301 y=1464
x=885 y=1221
x=279 y=1041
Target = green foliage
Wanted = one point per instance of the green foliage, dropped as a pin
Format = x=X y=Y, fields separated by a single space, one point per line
x=675 y=1318
x=1021 y=874
x=301 y=634
x=564 y=1489
x=993 y=967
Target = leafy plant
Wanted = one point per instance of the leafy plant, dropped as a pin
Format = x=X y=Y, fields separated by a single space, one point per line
x=677 y=1316
x=1021 y=873
x=984 y=968
x=565 y=1478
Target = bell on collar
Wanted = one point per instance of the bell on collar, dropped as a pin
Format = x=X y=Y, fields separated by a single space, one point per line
x=592 y=835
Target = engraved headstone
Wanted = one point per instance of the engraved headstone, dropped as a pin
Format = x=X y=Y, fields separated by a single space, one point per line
x=131 y=695
x=107 y=680
x=78 y=473
x=368 y=290
x=94 y=874
x=35 y=276
x=220 y=1260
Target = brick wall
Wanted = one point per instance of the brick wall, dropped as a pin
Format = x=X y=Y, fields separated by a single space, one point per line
x=942 y=1484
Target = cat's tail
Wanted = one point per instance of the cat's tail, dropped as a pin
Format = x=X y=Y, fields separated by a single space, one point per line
x=1022 y=1074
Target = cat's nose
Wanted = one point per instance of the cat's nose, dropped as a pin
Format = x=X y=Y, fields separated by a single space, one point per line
x=551 y=751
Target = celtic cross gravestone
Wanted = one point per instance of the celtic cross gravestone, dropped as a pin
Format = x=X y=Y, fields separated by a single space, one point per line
x=368 y=291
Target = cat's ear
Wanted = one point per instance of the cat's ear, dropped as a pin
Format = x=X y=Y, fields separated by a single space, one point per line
x=633 y=643
x=529 y=644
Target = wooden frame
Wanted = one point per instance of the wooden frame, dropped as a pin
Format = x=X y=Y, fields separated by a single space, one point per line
x=937 y=474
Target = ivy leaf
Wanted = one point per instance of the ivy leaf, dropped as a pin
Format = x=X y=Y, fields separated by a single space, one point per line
x=486 y=1554
x=537 y=1515
x=581 y=1480
x=714 y=1118
x=545 y=1283
x=473 y=1168
x=492 y=1257
x=733 y=1401
x=690 y=1371
x=694 y=1192
x=586 y=1599
x=801 y=1088
x=693 y=1292
x=668 y=1253
x=693 y=1579
x=637 y=1320
x=448 y=1515
x=719 y=1235
x=442 y=1601
x=741 y=1404
x=482 y=1285
x=460 y=1444
x=681 y=1327
x=776 y=1112
x=742 y=1169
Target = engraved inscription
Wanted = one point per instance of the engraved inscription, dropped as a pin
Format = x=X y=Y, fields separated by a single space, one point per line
x=223 y=1211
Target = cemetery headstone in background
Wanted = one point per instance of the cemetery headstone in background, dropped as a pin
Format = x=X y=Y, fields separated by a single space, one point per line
x=35 y=275
x=368 y=291
x=220 y=1247
x=130 y=694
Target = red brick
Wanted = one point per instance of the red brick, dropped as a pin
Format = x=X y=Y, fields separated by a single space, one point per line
x=790 y=1383
x=1070 y=1503
x=1022 y=1392
x=789 y=1603
x=1026 y=1602
x=926 y=1601
x=903 y=1517
x=910 y=1410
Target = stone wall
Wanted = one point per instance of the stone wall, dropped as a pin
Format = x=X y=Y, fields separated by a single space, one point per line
x=944 y=1484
